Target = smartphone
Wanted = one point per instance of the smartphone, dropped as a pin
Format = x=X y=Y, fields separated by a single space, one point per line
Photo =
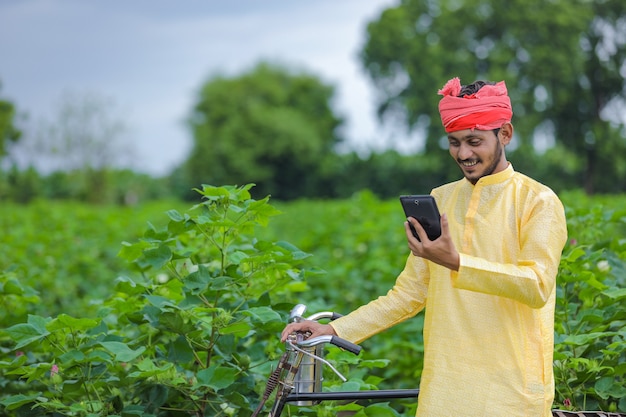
x=424 y=209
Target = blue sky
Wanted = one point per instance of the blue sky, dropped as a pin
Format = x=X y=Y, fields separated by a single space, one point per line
x=151 y=56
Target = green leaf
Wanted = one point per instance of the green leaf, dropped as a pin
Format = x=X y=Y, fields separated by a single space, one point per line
x=615 y=293
x=220 y=283
x=129 y=286
x=25 y=334
x=263 y=211
x=237 y=257
x=620 y=369
x=180 y=351
x=239 y=329
x=198 y=281
x=591 y=316
x=216 y=377
x=32 y=373
x=263 y=314
x=174 y=322
x=350 y=386
x=622 y=404
x=607 y=387
x=132 y=251
x=295 y=252
x=99 y=356
x=15 y=401
x=17 y=362
x=161 y=302
x=575 y=253
x=583 y=339
x=73 y=356
x=11 y=287
x=147 y=368
x=348 y=407
x=63 y=321
x=176 y=216
x=297 y=286
x=39 y=323
x=593 y=281
x=375 y=363
x=213 y=193
x=179 y=223
x=154 y=235
x=121 y=351
x=159 y=257
x=380 y=410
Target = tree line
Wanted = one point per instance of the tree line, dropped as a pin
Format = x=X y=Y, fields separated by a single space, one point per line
x=564 y=63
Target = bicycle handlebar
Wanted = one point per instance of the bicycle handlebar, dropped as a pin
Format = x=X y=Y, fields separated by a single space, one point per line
x=300 y=368
x=325 y=315
x=334 y=340
x=344 y=344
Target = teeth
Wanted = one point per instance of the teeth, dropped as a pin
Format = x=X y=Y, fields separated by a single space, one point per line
x=469 y=163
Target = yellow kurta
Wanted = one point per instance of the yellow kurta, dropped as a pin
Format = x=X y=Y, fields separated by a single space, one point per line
x=489 y=327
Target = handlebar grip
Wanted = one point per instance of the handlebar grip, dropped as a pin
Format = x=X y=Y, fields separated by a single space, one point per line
x=344 y=344
x=335 y=316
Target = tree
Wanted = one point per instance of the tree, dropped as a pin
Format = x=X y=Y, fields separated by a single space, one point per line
x=86 y=134
x=8 y=131
x=270 y=126
x=563 y=62
x=9 y=134
x=84 y=140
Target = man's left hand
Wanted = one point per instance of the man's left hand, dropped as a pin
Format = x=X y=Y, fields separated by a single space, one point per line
x=440 y=251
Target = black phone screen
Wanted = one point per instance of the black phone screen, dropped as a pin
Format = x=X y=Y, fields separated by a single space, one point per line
x=424 y=209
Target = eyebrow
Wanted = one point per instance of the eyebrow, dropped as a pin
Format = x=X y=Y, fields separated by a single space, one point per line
x=466 y=137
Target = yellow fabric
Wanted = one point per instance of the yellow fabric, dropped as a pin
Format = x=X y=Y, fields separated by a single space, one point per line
x=488 y=327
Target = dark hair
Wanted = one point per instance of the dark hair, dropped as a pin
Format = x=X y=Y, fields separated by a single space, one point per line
x=472 y=88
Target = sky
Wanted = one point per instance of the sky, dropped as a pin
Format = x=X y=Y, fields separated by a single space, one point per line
x=150 y=57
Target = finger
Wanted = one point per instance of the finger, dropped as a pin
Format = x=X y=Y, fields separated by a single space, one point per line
x=419 y=229
x=444 y=224
x=408 y=231
x=285 y=333
x=319 y=329
x=289 y=329
x=303 y=326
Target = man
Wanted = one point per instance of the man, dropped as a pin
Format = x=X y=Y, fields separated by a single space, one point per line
x=487 y=284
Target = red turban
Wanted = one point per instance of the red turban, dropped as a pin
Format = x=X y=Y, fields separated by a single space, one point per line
x=487 y=109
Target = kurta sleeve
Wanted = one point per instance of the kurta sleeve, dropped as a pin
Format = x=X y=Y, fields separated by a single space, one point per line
x=531 y=279
x=404 y=300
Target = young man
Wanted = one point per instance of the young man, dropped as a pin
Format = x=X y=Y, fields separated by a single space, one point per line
x=487 y=284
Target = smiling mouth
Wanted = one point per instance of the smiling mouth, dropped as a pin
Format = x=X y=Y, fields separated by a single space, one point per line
x=469 y=164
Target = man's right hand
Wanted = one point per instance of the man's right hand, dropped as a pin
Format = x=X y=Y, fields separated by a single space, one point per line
x=315 y=328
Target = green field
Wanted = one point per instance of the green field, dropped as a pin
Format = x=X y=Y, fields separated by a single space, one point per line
x=93 y=312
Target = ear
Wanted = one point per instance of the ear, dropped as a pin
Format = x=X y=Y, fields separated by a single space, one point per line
x=506 y=133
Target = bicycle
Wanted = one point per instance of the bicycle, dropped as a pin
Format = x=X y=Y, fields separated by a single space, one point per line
x=299 y=370
x=299 y=374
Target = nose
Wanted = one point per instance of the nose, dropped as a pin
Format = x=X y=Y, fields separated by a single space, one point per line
x=464 y=151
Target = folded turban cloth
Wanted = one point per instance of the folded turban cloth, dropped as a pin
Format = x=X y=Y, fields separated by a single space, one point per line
x=487 y=109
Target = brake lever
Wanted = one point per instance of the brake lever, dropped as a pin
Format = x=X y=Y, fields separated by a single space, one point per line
x=304 y=352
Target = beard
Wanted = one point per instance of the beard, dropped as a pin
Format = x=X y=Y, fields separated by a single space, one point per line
x=497 y=156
